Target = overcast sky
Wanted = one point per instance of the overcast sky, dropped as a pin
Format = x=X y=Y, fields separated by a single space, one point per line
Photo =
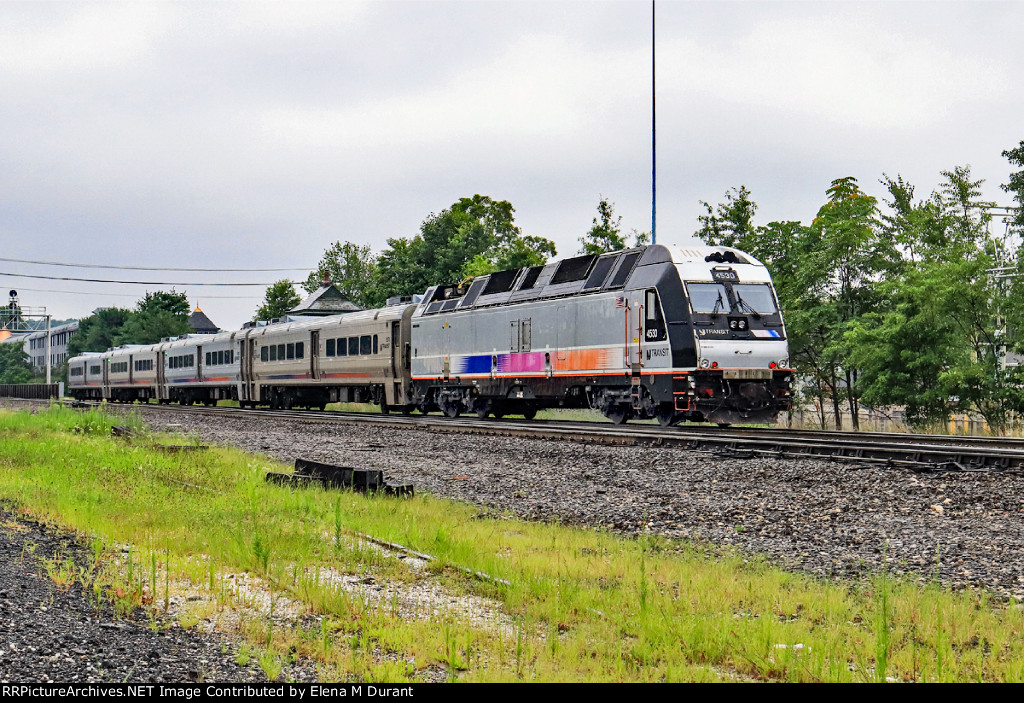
x=254 y=135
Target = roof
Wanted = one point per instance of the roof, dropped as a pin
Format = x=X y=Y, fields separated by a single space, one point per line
x=200 y=323
x=325 y=300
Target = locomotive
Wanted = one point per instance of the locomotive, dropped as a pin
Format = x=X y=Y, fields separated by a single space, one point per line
x=673 y=333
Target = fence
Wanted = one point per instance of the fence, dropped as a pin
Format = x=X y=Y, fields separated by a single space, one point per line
x=33 y=391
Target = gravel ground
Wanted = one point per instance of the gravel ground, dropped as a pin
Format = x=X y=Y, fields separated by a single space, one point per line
x=822 y=517
x=51 y=634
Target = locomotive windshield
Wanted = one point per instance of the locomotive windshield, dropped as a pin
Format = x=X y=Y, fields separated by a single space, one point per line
x=708 y=297
x=756 y=296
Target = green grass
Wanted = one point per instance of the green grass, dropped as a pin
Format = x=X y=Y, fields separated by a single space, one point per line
x=581 y=605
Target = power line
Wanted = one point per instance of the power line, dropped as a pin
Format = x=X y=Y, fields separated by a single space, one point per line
x=144 y=268
x=254 y=296
x=133 y=283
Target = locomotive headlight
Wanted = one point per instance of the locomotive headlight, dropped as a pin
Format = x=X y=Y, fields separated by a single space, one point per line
x=784 y=364
x=704 y=363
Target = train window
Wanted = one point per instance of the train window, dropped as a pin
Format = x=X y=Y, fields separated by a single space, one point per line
x=501 y=281
x=94 y=370
x=191 y=360
x=374 y=344
x=365 y=345
x=231 y=356
x=473 y=293
x=330 y=347
x=575 y=269
x=654 y=324
x=450 y=304
x=264 y=353
x=755 y=297
x=601 y=271
x=300 y=350
x=530 y=279
x=708 y=297
x=208 y=357
x=290 y=350
x=273 y=352
x=342 y=347
x=220 y=356
x=280 y=352
x=353 y=346
x=625 y=268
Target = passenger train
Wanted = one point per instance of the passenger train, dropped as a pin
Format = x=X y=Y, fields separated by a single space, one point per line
x=673 y=333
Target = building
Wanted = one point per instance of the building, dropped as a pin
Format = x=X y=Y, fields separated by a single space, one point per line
x=200 y=323
x=35 y=345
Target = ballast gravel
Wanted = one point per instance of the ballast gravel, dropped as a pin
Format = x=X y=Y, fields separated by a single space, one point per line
x=53 y=631
x=826 y=518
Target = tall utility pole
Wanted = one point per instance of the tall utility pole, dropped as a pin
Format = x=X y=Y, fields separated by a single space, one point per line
x=654 y=151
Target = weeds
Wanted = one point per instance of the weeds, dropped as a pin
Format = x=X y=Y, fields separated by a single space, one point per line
x=578 y=605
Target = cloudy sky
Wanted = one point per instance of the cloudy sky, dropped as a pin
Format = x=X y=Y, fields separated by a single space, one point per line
x=254 y=135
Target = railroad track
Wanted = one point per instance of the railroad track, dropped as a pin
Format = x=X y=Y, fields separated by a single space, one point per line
x=920 y=453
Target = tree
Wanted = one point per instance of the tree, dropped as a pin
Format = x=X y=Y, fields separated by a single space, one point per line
x=15 y=366
x=1016 y=184
x=606 y=234
x=278 y=300
x=156 y=316
x=474 y=236
x=96 y=333
x=351 y=268
x=729 y=224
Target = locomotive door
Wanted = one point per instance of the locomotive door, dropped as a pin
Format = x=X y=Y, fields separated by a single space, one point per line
x=394 y=396
x=131 y=370
x=248 y=349
x=199 y=363
x=161 y=377
x=314 y=354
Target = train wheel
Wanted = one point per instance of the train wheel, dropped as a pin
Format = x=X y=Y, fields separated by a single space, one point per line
x=384 y=409
x=724 y=424
x=617 y=413
x=666 y=415
x=451 y=408
x=407 y=409
x=482 y=408
x=529 y=412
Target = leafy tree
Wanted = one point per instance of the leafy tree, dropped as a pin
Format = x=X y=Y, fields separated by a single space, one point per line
x=351 y=268
x=474 y=236
x=156 y=316
x=15 y=366
x=97 y=332
x=1016 y=184
x=278 y=300
x=163 y=301
x=730 y=223
x=605 y=234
